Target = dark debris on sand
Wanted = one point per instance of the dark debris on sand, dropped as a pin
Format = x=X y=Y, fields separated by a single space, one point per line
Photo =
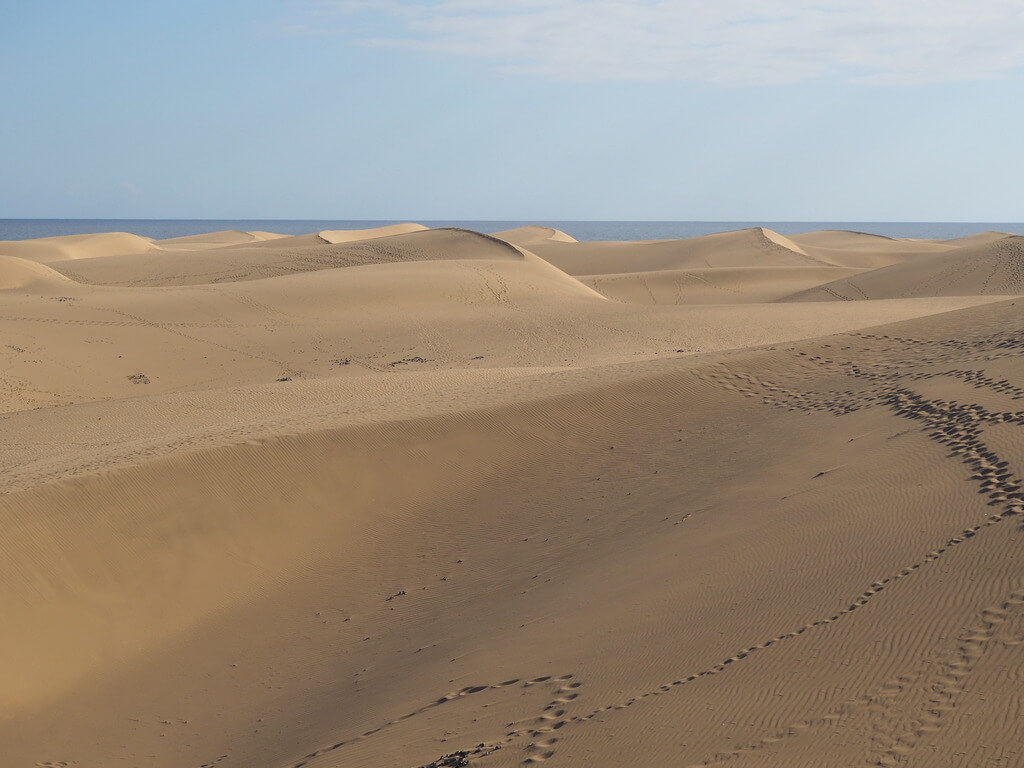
x=461 y=758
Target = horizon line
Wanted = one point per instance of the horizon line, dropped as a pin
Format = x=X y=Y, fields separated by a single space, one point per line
x=580 y=221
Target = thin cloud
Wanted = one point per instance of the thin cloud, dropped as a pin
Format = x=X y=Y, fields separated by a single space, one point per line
x=730 y=42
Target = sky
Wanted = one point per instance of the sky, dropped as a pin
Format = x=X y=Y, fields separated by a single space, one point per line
x=679 y=110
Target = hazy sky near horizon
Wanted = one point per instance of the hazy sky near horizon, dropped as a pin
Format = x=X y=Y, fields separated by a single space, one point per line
x=769 y=110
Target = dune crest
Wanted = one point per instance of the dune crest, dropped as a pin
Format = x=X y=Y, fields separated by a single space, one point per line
x=353 y=235
x=981 y=267
x=754 y=247
x=721 y=285
x=862 y=250
x=46 y=250
x=285 y=256
x=526 y=236
x=977 y=239
x=779 y=240
x=17 y=273
x=215 y=239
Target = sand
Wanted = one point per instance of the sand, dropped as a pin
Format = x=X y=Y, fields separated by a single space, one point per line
x=414 y=497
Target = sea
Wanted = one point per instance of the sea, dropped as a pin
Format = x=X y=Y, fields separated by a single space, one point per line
x=22 y=229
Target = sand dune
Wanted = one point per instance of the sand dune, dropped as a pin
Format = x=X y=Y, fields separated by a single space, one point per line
x=437 y=499
x=215 y=239
x=988 y=268
x=351 y=235
x=18 y=273
x=333 y=236
x=47 y=250
x=745 y=248
x=866 y=251
x=527 y=236
x=284 y=256
x=722 y=285
x=978 y=239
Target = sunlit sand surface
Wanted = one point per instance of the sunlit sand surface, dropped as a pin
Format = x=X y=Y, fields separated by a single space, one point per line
x=407 y=497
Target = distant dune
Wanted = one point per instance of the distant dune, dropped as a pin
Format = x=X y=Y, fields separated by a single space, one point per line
x=46 y=250
x=215 y=240
x=746 y=248
x=527 y=236
x=286 y=256
x=351 y=235
x=714 y=285
x=432 y=498
x=978 y=267
x=978 y=239
x=865 y=251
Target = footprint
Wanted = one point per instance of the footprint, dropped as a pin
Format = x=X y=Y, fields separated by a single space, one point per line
x=534 y=759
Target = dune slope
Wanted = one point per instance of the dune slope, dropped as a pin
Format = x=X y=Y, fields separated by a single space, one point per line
x=757 y=247
x=428 y=500
x=991 y=268
x=51 y=250
x=527 y=236
x=283 y=256
x=17 y=273
x=215 y=239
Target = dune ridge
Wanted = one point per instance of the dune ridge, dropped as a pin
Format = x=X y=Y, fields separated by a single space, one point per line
x=526 y=236
x=48 y=250
x=350 y=235
x=438 y=498
x=214 y=239
x=19 y=273
x=974 y=269
x=285 y=256
x=743 y=248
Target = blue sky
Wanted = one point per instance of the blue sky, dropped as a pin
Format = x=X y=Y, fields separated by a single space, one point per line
x=522 y=109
